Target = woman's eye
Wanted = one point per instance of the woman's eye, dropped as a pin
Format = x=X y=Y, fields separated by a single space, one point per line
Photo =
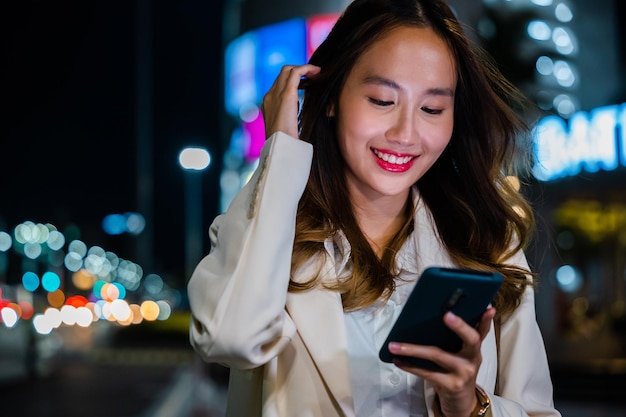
x=380 y=102
x=431 y=111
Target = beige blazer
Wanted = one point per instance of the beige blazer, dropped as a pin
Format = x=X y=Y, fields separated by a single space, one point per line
x=288 y=351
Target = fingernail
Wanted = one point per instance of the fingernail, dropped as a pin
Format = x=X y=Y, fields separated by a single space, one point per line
x=451 y=317
x=394 y=347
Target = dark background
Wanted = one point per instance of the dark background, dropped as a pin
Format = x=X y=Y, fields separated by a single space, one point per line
x=68 y=144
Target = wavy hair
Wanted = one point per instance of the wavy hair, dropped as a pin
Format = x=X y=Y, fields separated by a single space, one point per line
x=481 y=219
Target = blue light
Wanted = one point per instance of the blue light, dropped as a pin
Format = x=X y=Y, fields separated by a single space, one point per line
x=253 y=60
x=539 y=30
x=622 y=130
x=569 y=278
x=50 y=281
x=121 y=289
x=114 y=224
x=279 y=44
x=590 y=142
x=30 y=281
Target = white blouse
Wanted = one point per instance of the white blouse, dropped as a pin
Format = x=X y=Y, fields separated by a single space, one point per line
x=381 y=389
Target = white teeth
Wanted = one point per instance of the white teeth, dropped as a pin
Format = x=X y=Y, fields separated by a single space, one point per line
x=392 y=159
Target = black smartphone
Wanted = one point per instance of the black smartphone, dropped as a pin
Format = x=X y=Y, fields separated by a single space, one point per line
x=466 y=293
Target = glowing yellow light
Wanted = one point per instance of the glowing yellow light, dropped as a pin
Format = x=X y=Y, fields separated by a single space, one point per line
x=83 y=279
x=595 y=220
x=129 y=320
x=150 y=310
x=137 y=317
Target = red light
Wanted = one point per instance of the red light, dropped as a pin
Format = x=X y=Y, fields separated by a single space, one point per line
x=76 y=301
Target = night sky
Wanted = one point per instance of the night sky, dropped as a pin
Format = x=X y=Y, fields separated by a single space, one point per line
x=68 y=152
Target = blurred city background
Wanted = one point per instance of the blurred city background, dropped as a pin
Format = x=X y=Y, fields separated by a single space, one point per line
x=128 y=126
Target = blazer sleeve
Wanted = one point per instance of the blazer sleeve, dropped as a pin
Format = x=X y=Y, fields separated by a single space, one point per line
x=525 y=385
x=237 y=293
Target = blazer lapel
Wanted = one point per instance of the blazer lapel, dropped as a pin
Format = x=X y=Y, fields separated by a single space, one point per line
x=318 y=315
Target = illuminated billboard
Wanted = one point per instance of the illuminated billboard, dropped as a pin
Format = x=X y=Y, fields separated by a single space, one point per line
x=589 y=141
x=317 y=29
x=252 y=63
x=254 y=59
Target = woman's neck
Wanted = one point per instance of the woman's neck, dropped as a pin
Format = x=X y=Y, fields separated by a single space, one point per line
x=381 y=219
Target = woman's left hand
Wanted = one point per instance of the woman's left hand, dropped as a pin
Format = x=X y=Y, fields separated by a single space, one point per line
x=456 y=385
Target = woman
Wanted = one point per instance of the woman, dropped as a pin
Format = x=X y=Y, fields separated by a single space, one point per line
x=396 y=162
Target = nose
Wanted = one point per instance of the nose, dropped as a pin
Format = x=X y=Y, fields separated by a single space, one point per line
x=403 y=129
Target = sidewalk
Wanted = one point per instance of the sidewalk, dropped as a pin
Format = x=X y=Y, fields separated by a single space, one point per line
x=193 y=393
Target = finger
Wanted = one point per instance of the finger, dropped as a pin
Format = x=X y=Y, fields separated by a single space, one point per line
x=292 y=74
x=485 y=322
x=286 y=84
x=467 y=333
x=403 y=351
x=280 y=105
x=295 y=75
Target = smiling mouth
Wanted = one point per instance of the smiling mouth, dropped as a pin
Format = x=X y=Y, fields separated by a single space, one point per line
x=393 y=159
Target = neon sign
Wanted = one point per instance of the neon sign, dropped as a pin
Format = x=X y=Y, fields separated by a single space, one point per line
x=591 y=142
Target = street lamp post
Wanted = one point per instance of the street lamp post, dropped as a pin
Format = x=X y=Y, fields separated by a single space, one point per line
x=193 y=160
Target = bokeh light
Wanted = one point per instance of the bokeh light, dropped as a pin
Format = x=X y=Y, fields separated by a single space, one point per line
x=56 y=240
x=32 y=250
x=117 y=224
x=109 y=292
x=120 y=310
x=5 y=241
x=569 y=278
x=27 y=310
x=114 y=224
x=104 y=278
x=56 y=298
x=194 y=158
x=150 y=310
x=50 y=281
x=84 y=316
x=68 y=315
x=165 y=310
x=30 y=281
x=76 y=301
x=9 y=316
x=73 y=261
x=83 y=280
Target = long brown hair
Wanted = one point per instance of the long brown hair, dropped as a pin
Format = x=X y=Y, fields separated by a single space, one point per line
x=480 y=218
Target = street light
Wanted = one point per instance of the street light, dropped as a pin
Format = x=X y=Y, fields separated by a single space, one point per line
x=193 y=160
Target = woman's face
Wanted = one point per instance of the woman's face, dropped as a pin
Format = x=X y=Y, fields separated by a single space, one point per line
x=396 y=112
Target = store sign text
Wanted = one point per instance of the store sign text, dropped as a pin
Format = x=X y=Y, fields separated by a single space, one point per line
x=590 y=142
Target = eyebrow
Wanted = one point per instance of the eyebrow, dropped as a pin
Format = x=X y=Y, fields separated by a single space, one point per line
x=386 y=82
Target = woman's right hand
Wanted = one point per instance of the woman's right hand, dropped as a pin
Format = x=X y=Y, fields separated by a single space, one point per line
x=280 y=104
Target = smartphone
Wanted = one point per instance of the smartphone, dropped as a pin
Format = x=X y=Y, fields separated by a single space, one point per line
x=467 y=293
